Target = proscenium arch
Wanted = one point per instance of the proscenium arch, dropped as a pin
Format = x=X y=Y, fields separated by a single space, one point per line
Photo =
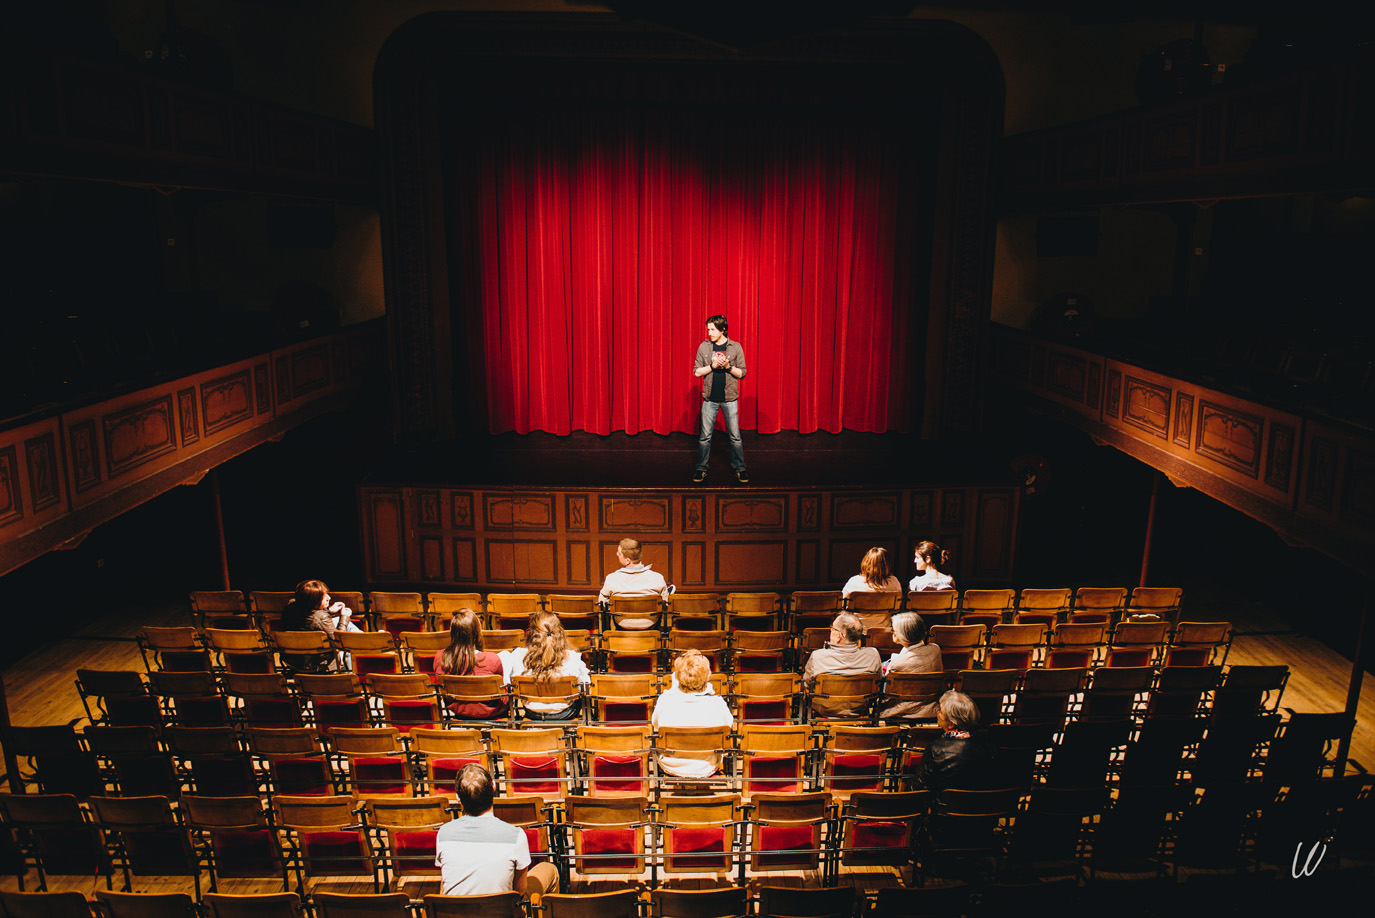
x=951 y=66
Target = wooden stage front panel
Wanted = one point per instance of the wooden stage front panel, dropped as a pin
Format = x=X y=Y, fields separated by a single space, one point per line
x=553 y=540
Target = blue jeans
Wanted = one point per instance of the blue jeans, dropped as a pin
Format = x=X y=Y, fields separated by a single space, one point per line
x=737 y=446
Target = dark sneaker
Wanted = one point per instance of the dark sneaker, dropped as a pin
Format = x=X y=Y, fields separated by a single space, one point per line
x=742 y=476
x=699 y=476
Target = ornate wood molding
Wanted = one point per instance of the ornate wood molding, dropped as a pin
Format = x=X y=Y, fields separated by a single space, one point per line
x=1308 y=479
x=63 y=475
x=429 y=535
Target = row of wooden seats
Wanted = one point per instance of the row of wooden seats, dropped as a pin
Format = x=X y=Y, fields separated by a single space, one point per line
x=661 y=902
x=398 y=611
x=1079 y=830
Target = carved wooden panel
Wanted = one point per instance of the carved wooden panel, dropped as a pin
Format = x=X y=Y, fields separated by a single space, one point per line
x=1358 y=488
x=432 y=558
x=45 y=480
x=1147 y=406
x=579 y=562
x=281 y=369
x=922 y=503
x=864 y=511
x=309 y=370
x=519 y=511
x=521 y=561
x=1279 y=460
x=427 y=508
x=760 y=514
x=844 y=556
x=1095 y=389
x=1322 y=473
x=1230 y=437
x=462 y=509
x=1067 y=374
x=575 y=513
x=188 y=416
x=694 y=514
x=694 y=563
x=993 y=544
x=85 y=456
x=952 y=509
x=137 y=435
x=636 y=514
x=808 y=561
x=808 y=512
x=11 y=496
x=1183 y=419
x=386 y=525
x=226 y=401
x=1111 y=406
x=751 y=563
x=658 y=555
x=262 y=388
x=465 y=560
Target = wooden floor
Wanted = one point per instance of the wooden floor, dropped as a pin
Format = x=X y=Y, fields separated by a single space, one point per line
x=40 y=689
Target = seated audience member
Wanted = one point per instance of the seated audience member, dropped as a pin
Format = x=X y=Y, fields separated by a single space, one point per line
x=916 y=656
x=691 y=702
x=874 y=575
x=841 y=656
x=465 y=657
x=633 y=580
x=480 y=855
x=311 y=610
x=546 y=656
x=959 y=757
x=928 y=557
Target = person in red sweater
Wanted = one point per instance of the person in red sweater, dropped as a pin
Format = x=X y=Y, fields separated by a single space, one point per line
x=465 y=657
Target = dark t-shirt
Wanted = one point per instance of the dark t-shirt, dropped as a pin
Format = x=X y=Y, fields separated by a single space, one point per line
x=718 y=379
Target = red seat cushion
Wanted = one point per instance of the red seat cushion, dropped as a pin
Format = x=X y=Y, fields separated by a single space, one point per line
x=381 y=775
x=707 y=847
x=334 y=854
x=786 y=838
x=610 y=841
x=608 y=772
x=537 y=775
x=414 y=851
x=778 y=774
x=857 y=772
x=245 y=853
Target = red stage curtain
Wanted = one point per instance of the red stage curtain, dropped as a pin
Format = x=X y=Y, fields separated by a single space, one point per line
x=609 y=234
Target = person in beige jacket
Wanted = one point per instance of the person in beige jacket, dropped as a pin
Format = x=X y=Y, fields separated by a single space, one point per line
x=633 y=580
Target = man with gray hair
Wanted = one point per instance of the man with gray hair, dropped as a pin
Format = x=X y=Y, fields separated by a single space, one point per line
x=959 y=757
x=842 y=656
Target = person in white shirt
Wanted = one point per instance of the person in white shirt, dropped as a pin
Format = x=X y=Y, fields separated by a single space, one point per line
x=874 y=575
x=691 y=702
x=633 y=580
x=928 y=557
x=478 y=854
x=546 y=656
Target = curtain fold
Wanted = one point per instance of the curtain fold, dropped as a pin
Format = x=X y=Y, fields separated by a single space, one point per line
x=608 y=234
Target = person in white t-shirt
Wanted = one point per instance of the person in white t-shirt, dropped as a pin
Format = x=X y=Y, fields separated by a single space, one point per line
x=634 y=580
x=928 y=557
x=480 y=855
x=691 y=702
x=874 y=575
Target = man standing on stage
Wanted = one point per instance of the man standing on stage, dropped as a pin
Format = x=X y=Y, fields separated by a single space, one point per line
x=721 y=365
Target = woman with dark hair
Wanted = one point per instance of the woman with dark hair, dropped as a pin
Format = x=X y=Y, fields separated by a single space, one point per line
x=928 y=557
x=874 y=575
x=547 y=656
x=959 y=757
x=465 y=657
x=311 y=609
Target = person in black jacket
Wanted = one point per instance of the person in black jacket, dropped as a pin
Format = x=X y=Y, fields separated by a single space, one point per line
x=959 y=757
